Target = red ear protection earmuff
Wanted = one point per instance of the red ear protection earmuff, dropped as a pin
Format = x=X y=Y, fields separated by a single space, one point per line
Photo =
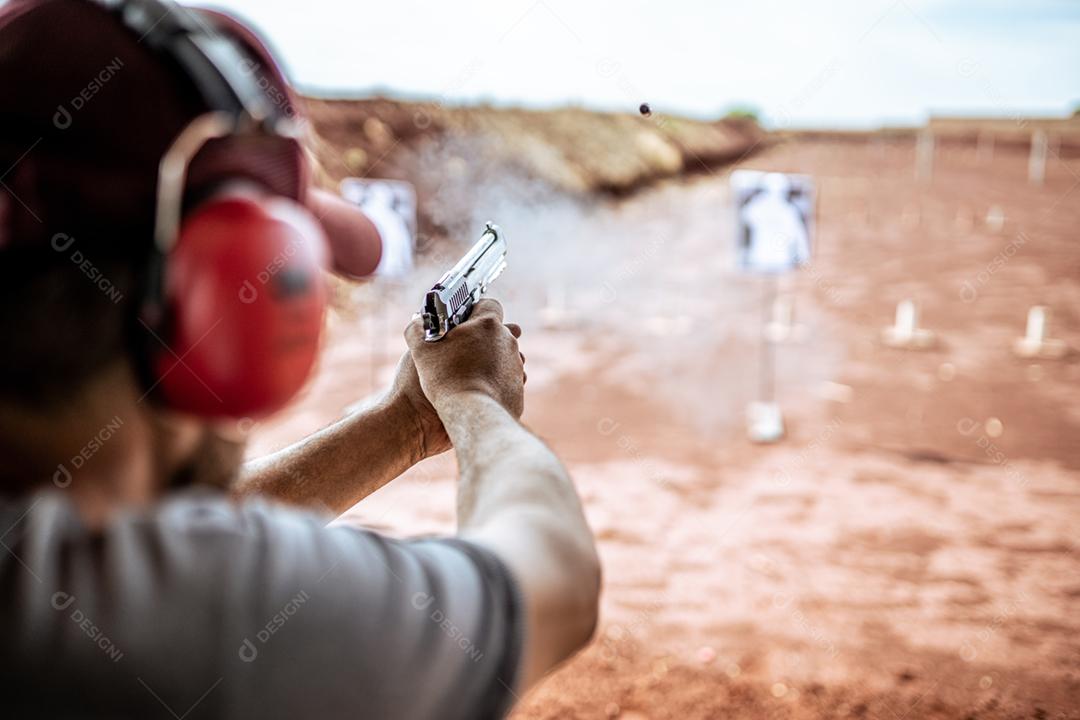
x=235 y=297
x=244 y=297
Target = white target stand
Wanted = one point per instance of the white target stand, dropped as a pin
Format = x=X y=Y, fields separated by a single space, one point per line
x=764 y=419
x=905 y=333
x=773 y=215
x=1035 y=343
x=782 y=325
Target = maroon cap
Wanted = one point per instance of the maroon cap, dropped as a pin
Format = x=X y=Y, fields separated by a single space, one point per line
x=89 y=108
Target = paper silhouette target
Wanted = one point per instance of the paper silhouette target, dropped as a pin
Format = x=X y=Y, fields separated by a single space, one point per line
x=391 y=206
x=773 y=214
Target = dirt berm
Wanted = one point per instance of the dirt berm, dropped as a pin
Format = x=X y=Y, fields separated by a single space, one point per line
x=571 y=150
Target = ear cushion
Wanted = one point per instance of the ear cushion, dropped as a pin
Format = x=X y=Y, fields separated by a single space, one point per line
x=245 y=297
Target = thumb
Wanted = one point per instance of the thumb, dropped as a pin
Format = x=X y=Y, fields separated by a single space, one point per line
x=414 y=332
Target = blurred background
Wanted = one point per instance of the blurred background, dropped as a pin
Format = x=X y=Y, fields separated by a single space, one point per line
x=907 y=545
x=888 y=61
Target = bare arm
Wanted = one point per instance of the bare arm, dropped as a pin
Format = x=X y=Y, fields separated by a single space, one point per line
x=514 y=496
x=342 y=464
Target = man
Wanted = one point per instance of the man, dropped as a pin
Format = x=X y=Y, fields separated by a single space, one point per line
x=143 y=571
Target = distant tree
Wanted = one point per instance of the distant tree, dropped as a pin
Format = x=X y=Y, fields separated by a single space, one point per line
x=743 y=112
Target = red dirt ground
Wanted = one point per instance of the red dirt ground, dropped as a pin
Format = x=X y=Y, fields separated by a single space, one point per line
x=910 y=550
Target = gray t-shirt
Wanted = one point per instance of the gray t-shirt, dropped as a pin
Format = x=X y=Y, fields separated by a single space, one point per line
x=204 y=608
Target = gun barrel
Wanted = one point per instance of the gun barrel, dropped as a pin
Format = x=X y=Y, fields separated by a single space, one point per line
x=477 y=252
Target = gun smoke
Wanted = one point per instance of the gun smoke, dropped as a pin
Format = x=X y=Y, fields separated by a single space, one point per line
x=635 y=281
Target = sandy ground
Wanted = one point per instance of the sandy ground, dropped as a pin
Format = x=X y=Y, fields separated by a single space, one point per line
x=909 y=550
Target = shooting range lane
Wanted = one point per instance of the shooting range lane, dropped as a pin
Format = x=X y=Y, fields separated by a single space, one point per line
x=909 y=549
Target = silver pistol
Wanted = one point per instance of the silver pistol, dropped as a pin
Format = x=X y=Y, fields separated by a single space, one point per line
x=450 y=301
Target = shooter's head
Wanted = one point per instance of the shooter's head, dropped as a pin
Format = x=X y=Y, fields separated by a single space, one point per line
x=161 y=248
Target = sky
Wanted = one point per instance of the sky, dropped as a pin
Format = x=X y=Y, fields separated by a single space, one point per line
x=845 y=63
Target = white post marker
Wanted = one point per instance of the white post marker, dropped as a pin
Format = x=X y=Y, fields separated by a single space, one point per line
x=924 y=156
x=764 y=422
x=984 y=148
x=1037 y=160
x=905 y=332
x=1035 y=343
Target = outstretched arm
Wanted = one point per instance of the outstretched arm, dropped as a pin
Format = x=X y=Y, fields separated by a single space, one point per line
x=514 y=496
x=342 y=464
